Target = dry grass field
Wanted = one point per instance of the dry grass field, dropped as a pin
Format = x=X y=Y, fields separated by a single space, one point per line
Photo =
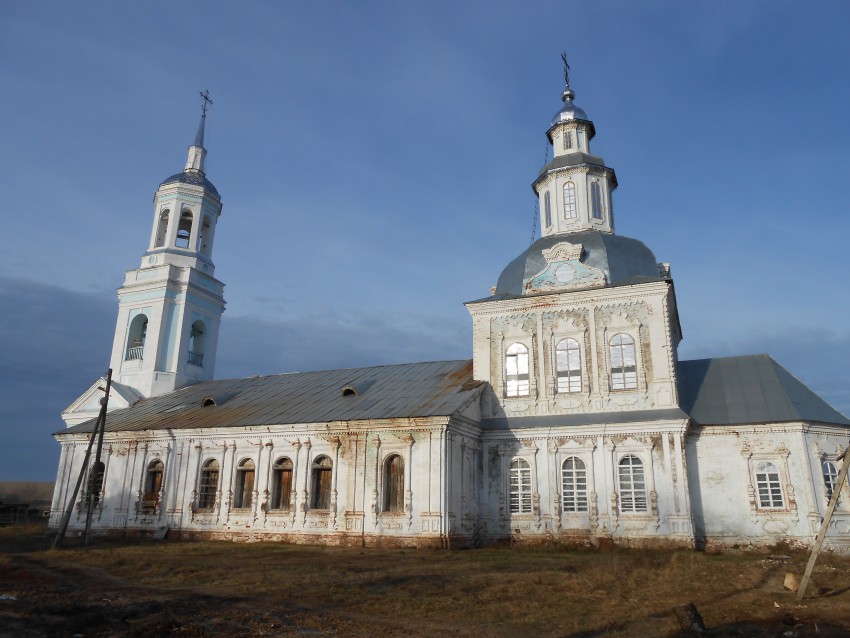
x=146 y=588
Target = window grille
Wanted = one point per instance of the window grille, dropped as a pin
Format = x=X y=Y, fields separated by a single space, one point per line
x=208 y=485
x=574 y=485
x=768 y=486
x=520 y=487
x=632 y=484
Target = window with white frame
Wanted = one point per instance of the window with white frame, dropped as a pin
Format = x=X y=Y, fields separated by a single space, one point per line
x=568 y=366
x=394 y=484
x=574 y=485
x=596 y=204
x=568 y=140
x=769 y=486
x=520 y=487
x=569 y=200
x=623 y=362
x=208 y=485
x=632 y=484
x=547 y=207
x=830 y=477
x=322 y=470
x=516 y=371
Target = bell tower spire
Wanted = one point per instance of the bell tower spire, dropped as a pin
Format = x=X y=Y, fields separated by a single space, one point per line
x=170 y=307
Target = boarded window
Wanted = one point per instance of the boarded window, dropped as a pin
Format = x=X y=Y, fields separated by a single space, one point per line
x=394 y=484
x=596 y=204
x=768 y=486
x=208 y=485
x=568 y=365
x=569 y=200
x=244 y=484
x=320 y=497
x=94 y=485
x=632 y=484
x=153 y=484
x=520 y=487
x=623 y=362
x=547 y=207
x=282 y=487
x=516 y=370
x=830 y=477
x=574 y=485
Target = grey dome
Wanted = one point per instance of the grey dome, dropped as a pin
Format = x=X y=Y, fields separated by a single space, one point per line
x=191 y=177
x=622 y=260
x=569 y=112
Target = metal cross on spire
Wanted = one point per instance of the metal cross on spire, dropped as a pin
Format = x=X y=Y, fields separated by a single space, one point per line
x=206 y=95
x=566 y=69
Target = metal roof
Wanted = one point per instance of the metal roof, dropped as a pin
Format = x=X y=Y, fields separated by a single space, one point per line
x=623 y=260
x=409 y=390
x=583 y=418
x=191 y=177
x=748 y=390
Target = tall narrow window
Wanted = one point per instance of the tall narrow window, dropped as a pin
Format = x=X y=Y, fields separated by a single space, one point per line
x=516 y=371
x=568 y=140
x=394 y=484
x=623 y=362
x=830 y=476
x=197 y=343
x=282 y=487
x=596 y=206
x=153 y=484
x=136 y=336
x=320 y=497
x=94 y=485
x=574 y=485
x=162 y=229
x=632 y=484
x=570 y=200
x=206 y=237
x=547 y=208
x=208 y=485
x=520 y=487
x=768 y=486
x=184 y=229
x=244 y=484
x=568 y=361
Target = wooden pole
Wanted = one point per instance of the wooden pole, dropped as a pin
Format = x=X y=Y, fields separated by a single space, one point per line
x=97 y=489
x=69 y=508
x=836 y=491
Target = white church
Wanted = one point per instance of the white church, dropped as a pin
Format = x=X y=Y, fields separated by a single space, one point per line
x=574 y=421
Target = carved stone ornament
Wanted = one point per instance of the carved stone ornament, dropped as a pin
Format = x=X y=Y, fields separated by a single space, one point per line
x=564 y=270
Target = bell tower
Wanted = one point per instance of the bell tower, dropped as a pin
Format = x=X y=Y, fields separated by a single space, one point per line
x=169 y=309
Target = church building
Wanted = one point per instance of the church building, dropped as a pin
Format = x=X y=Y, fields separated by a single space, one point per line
x=574 y=421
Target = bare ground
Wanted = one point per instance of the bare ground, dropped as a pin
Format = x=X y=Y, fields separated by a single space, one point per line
x=145 y=588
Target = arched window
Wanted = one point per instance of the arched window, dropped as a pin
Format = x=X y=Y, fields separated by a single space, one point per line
x=206 y=236
x=547 y=207
x=830 y=476
x=568 y=140
x=596 y=205
x=632 y=484
x=94 y=485
x=570 y=200
x=197 y=343
x=623 y=362
x=153 y=484
x=208 y=485
x=244 y=484
x=574 y=485
x=320 y=496
x=516 y=370
x=184 y=229
x=768 y=486
x=282 y=486
x=162 y=229
x=136 y=336
x=568 y=360
x=520 y=487
x=394 y=484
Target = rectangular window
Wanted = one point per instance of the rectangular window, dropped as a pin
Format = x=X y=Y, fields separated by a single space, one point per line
x=520 y=487
x=769 y=486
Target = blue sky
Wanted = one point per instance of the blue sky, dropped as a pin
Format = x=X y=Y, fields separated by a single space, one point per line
x=375 y=162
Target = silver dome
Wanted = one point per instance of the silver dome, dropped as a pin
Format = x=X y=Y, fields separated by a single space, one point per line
x=569 y=111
